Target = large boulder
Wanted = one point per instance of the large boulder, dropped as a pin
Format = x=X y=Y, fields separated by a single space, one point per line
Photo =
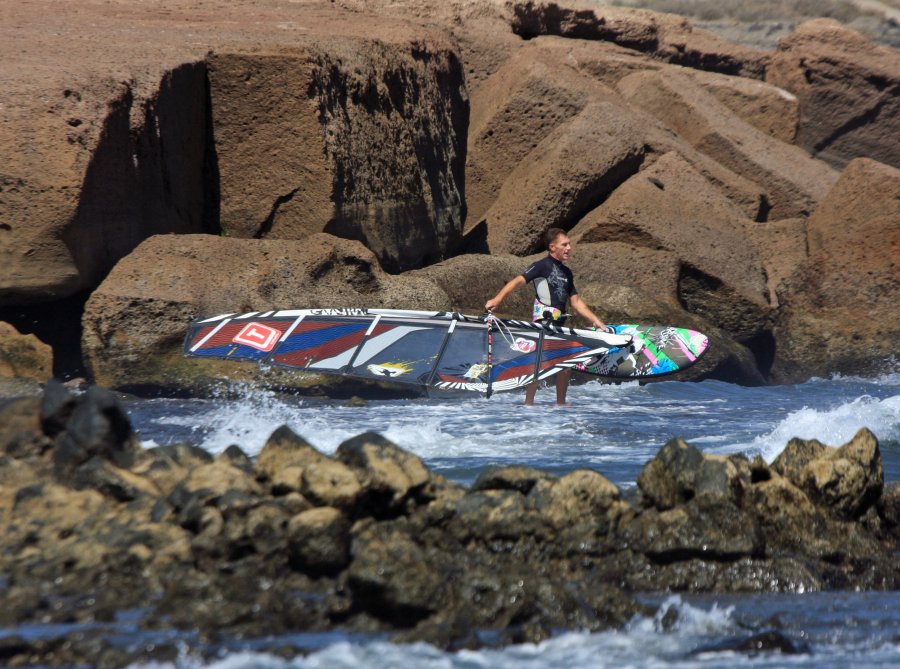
x=237 y=115
x=680 y=472
x=768 y=108
x=626 y=282
x=848 y=91
x=360 y=137
x=95 y=164
x=135 y=322
x=390 y=476
x=846 y=480
x=471 y=280
x=568 y=173
x=525 y=100
x=671 y=207
x=850 y=278
x=664 y=36
x=794 y=182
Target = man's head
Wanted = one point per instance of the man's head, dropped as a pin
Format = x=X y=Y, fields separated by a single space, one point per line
x=558 y=244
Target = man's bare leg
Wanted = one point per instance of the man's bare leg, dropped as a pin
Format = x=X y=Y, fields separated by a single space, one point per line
x=562 y=386
x=530 y=391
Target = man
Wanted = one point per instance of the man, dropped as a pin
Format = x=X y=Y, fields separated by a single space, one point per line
x=554 y=285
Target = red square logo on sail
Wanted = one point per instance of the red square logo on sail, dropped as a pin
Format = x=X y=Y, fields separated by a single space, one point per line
x=258 y=336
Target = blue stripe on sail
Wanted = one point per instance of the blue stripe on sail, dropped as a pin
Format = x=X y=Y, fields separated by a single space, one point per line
x=314 y=338
x=236 y=351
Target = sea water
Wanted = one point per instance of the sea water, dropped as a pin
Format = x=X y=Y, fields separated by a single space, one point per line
x=614 y=429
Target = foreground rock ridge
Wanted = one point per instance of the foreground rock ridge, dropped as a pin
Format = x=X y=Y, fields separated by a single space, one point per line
x=369 y=540
x=166 y=163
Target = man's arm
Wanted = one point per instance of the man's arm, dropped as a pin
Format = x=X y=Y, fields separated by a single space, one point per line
x=582 y=310
x=510 y=286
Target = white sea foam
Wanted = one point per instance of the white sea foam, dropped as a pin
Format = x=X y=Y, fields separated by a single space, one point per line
x=833 y=427
x=645 y=642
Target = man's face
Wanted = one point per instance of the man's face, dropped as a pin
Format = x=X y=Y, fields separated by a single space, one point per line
x=561 y=248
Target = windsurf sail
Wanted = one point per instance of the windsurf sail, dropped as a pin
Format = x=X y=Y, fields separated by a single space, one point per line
x=444 y=350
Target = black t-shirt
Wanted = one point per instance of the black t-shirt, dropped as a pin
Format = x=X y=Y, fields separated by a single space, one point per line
x=553 y=282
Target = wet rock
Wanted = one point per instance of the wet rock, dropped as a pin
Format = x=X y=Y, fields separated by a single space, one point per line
x=260 y=528
x=889 y=506
x=57 y=404
x=497 y=518
x=236 y=456
x=518 y=478
x=704 y=528
x=24 y=356
x=330 y=483
x=680 y=472
x=389 y=476
x=21 y=434
x=97 y=427
x=390 y=576
x=282 y=459
x=582 y=496
x=208 y=544
x=516 y=609
x=120 y=484
x=769 y=642
x=319 y=541
x=846 y=480
x=209 y=482
x=787 y=516
x=290 y=464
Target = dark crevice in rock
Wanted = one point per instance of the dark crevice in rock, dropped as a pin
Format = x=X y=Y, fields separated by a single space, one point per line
x=866 y=117
x=266 y=226
x=62 y=331
x=762 y=346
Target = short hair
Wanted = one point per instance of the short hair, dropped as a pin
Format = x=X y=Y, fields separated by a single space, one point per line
x=551 y=235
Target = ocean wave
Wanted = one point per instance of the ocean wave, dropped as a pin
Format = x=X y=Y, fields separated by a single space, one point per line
x=834 y=427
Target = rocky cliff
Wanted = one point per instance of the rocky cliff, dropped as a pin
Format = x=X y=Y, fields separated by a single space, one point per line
x=706 y=183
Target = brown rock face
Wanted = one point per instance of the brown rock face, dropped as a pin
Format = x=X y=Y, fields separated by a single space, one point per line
x=665 y=36
x=770 y=109
x=361 y=138
x=24 y=356
x=719 y=274
x=851 y=278
x=847 y=480
x=522 y=103
x=848 y=90
x=657 y=142
x=566 y=175
x=89 y=178
x=301 y=120
x=793 y=181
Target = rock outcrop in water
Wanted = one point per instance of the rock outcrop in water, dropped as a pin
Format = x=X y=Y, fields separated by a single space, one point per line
x=370 y=540
x=704 y=171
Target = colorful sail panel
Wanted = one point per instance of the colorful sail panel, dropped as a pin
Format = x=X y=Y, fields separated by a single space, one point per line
x=443 y=350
